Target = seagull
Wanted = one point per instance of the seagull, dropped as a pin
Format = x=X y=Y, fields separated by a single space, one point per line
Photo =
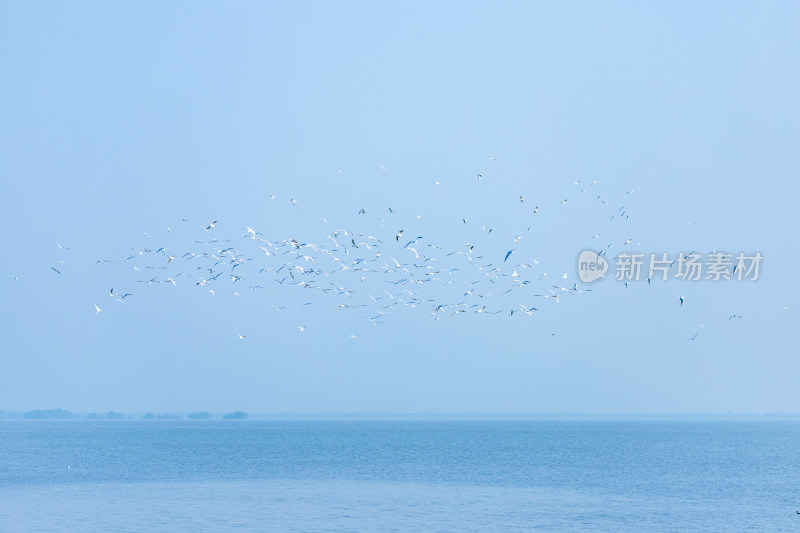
x=399 y=234
x=242 y=336
x=682 y=299
x=302 y=328
x=56 y=270
x=211 y=226
x=413 y=242
x=734 y=316
x=60 y=247
x=507 y=254
x=97 y=309
x=693 y=337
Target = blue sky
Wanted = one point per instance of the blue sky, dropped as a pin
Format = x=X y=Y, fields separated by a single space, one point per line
x=122 y=120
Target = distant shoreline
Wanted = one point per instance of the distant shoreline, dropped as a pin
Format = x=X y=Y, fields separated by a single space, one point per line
x=62 y=414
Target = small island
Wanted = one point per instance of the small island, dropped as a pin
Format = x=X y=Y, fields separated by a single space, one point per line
x=237 y=415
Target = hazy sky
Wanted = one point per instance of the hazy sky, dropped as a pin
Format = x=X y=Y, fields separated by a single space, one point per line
x=120 y=120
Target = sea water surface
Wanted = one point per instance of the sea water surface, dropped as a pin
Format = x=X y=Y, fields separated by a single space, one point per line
x=399 y=475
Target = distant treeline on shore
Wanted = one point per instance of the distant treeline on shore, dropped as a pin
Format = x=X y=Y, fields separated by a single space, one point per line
x=62 y=414
x=53 y=414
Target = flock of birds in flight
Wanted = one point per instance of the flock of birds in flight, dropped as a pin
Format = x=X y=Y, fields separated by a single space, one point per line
x=364 y=273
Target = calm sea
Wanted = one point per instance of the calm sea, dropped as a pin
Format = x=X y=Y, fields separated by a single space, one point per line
x=255 y=475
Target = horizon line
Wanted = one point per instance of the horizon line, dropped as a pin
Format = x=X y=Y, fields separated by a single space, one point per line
x=112 y=414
